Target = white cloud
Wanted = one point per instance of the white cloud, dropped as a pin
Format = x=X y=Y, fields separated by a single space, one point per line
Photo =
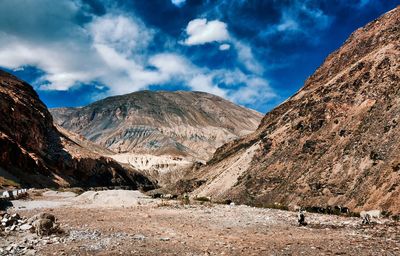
x=108 y=50
x=178 y=3
x=287 y=24
x=113 y=50
x=245 y=55
x=171 y=64
x=120 y=32
x=61 y=63
x=257 y=90
x=201 y=31
x=224 y=47
x=245 y=89
x=204 y=83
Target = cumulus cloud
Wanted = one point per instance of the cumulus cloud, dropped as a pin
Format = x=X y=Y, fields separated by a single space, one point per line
x=204 y=83
x=224 y=47
x=171 y=64
x=201 y=31
x=257 y=91
x=112 y=50
x=245 y=89
x=120 y=32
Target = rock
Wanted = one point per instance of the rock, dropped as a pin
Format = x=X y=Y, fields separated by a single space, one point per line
x=21 y=221
x=43 y=215
x=46 y=241
x=55 y=239
x=10 y=247
x=16 y=216
x=165 y=239
x=25 y=227
x=139 y=237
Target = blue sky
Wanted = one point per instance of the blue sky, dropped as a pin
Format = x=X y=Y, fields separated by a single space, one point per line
x=255 y=53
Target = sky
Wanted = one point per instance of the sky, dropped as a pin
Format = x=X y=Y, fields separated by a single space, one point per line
x=254 y=53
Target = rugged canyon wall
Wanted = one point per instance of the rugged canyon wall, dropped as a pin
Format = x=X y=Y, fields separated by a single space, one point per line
x=335 y=142
x=35 y=153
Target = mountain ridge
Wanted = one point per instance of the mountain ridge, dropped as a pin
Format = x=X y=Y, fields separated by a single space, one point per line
x=335 y=142
x=177 y=128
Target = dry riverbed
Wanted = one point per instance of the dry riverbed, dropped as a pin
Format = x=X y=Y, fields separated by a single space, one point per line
x=133 y=224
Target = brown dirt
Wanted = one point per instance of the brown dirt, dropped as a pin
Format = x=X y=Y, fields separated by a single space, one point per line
x=171 y=228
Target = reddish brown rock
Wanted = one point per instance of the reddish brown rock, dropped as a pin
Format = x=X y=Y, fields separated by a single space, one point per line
x=33 y=152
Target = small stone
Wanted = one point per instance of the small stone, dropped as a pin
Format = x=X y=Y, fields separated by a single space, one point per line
x=25 y=227
x=139 y=237
x=15 y=216
x=55 y=239
x=46 y=242
x=165 y=239
x=10 y=247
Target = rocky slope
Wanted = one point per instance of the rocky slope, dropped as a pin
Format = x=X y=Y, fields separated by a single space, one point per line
x=160 y=131
x=33 y=152
x=335 y=142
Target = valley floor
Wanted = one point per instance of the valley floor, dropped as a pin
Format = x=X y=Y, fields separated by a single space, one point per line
x=156 y=227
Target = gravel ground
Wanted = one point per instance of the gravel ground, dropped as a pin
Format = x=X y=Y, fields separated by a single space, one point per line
x=170 y=228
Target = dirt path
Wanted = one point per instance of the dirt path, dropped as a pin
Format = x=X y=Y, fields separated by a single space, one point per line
x=169 y=228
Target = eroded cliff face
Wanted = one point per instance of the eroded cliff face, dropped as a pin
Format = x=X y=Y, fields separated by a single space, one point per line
x=33 y=152
x=335 y=142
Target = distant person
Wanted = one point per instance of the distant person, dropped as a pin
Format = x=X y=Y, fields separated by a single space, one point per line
x=301 y=218
x=366 y=219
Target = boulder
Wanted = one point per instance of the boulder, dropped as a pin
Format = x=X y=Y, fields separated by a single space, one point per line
x=25 y=227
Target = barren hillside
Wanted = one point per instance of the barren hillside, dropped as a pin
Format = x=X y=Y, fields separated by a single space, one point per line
x=335 y=142
x=160 y=132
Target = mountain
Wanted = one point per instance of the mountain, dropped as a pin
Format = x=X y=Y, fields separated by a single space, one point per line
x=36 y=153
x=335 y=142
x=160 y=130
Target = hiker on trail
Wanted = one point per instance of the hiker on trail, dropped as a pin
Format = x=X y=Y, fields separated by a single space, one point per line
x=301 y=218
x=366 y=219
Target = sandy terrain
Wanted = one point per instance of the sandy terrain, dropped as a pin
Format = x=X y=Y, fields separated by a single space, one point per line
x=155 y=227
